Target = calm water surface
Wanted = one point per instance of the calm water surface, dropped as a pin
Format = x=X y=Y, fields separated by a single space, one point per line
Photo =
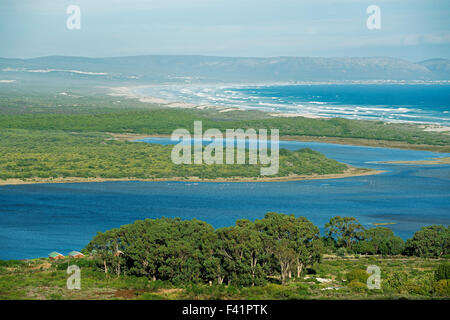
x=37 y=219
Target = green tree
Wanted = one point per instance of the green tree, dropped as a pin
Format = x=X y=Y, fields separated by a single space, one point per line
x=379 y=240
x=429 y=242
x=345 y=230
x=166 y=249
x=293 y=242
x=106 y=246
x=241 y=252
x=308 y=245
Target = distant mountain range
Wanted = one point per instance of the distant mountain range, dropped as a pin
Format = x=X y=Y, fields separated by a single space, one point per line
x=209 y=68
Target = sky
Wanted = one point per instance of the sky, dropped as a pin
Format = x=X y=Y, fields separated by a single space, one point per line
x=410 y=29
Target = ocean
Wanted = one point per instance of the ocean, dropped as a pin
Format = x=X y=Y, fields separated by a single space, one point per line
x=410 y=103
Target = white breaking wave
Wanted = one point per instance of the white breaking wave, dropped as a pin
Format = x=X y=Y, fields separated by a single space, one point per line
x=54 y=70
x=228 y=96
x=316 y=102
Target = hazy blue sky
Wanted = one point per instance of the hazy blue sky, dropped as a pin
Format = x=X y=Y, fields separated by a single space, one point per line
x=411 y=29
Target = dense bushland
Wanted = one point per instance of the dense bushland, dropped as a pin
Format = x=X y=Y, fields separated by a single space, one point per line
x=277 y=257
x=163 y=121
x=278 y=246
x=26 y=154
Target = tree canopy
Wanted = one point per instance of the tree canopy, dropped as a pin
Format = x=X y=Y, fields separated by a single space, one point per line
x=192 y=251
x=379 y=240
x=344 y=230
x=429 y=242
x=278 y=246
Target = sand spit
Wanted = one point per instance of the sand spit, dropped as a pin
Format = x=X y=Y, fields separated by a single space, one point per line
x=350 y=172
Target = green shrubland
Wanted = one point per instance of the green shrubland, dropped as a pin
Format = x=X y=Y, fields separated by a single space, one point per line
x=27 y=154
x=163 y=121
x=277 y=257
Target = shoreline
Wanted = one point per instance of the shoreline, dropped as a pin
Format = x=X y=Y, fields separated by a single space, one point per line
x=333 y=140
x=130 y=93
x=443 y=160
x=350 y=172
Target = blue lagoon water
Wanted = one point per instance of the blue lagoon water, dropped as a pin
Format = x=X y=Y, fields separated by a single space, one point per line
x=37 y=219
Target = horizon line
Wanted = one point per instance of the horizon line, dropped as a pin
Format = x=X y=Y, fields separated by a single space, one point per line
x=223 y=56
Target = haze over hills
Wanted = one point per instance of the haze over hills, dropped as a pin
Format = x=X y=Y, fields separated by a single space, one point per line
x=439 y=67
x=211 y=68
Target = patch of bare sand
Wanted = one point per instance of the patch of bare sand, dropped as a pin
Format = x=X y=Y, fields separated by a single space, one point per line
x=444 y=160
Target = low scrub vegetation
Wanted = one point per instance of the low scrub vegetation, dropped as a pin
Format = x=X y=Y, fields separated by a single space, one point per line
x=277 y=257
x=28 y=154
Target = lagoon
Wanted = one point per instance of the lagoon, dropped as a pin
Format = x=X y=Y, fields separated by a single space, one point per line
x=39 y=218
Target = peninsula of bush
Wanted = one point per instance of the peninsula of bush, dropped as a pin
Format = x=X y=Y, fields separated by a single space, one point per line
x=81 y=136
x=35 y=156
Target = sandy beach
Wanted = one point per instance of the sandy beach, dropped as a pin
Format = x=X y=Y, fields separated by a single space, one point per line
x=130 y=93
x=444 y=160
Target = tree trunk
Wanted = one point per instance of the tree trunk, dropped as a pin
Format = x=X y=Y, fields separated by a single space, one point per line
x=284 y=271
x=299 y=269
x=106 y=268
x=253 y=263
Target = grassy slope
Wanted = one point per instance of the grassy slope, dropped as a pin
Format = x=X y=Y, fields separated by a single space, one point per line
x=40 y=279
